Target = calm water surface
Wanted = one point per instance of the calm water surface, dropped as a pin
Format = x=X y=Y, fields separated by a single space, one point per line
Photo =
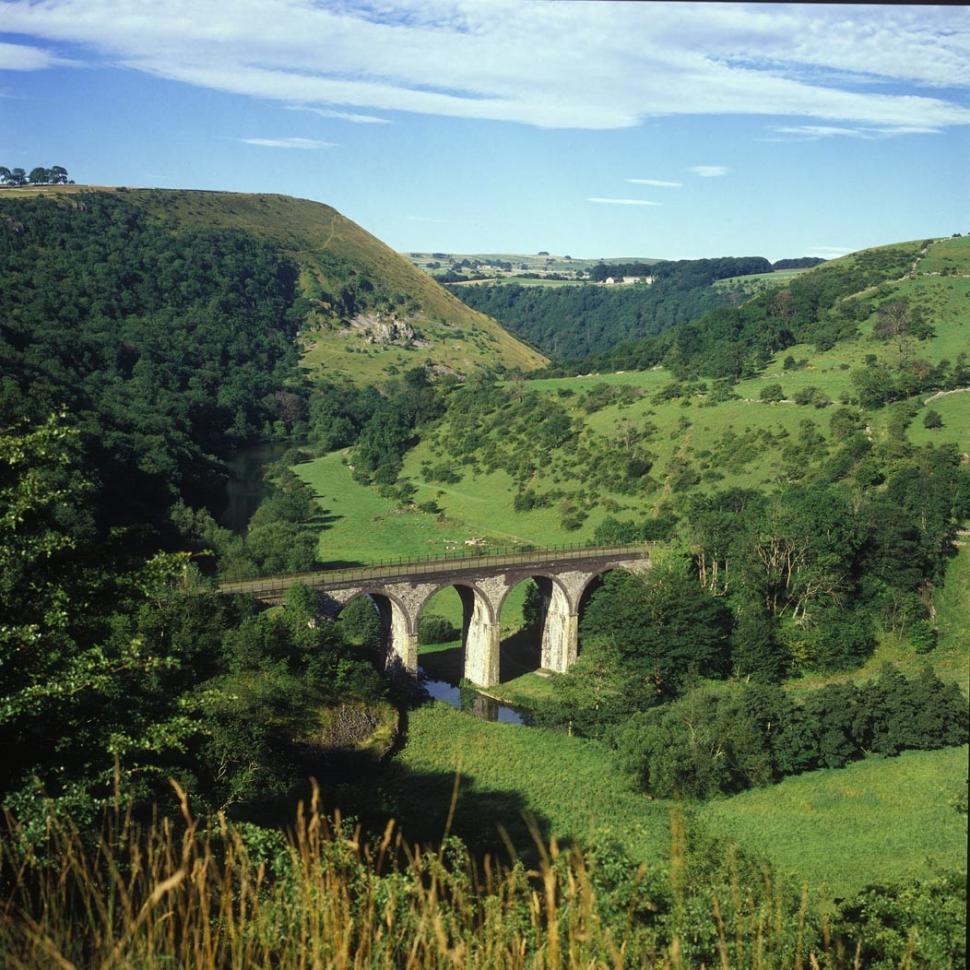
x=246 y=487
x=487 y=708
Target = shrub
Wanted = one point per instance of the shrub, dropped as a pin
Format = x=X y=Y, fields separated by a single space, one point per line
x=436 y=629
x=922 y=636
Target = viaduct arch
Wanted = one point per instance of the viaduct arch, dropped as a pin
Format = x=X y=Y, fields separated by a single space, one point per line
x=400 y=590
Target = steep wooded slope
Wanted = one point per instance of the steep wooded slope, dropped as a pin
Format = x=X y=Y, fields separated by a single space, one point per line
x=367 y=312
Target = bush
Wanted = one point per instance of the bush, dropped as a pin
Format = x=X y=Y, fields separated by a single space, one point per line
x=436 y=629
x=771 y=393
x=922 y=636
x=839 y=640
x=879 y=924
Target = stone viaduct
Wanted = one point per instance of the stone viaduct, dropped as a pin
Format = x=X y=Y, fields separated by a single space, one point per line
x=400 y=590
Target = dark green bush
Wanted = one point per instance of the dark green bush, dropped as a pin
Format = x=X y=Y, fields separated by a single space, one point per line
x=436 y=629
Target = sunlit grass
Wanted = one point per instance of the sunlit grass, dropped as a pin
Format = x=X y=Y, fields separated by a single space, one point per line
x=878 y=820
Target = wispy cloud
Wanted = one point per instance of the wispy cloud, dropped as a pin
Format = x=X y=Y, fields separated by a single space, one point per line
x=817 y=132
x=307 y=144
x=709 y=171
x=603 y=201
x=660 y=183
x=464 y=58
x=355 y=119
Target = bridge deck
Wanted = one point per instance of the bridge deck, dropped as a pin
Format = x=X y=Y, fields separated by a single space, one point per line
x=407 y=570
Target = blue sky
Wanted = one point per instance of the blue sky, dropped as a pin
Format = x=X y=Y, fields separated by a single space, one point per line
x=593 y=129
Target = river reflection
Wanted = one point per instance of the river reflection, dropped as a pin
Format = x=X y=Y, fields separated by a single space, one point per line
x=246 y=487
x=467 y=699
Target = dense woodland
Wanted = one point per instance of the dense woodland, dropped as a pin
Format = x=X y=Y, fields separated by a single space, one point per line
x=734 y=341
x=571 y=322
x=135 y=355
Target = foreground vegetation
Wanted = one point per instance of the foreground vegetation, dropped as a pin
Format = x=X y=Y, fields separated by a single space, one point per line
x=174 y=893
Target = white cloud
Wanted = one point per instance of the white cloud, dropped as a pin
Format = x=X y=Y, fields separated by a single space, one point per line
x=565 y=65
x=658 y=182
x=622 y=201
x=709 y=171
x=341 y=115
x=20 y=57
x=306 y=144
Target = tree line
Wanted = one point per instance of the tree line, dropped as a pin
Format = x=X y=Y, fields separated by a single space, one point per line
x=55 y=175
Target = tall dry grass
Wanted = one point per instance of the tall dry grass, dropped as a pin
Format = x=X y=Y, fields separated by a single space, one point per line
x=172 y=894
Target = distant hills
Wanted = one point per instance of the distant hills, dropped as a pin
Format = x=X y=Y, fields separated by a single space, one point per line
x=367 y=312
x=840 y=375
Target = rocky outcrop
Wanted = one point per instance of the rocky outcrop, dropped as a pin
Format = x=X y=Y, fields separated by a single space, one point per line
x=386 y=330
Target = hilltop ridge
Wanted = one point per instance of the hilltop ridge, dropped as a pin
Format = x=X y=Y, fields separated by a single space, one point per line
x=368 y=313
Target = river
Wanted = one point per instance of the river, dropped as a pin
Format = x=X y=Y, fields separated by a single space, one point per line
x=246 y=487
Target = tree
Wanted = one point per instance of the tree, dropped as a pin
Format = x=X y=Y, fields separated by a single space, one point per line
x=39 y=176
x=833 y=712
x=932 y=420
x=664 y=628
x=756 y=652
x=893 y=322
x=802 y=552
x=772 y=393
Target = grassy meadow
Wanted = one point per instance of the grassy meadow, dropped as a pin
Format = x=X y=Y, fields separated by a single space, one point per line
x=877 y=820
x=756 y=282
x=568 y=784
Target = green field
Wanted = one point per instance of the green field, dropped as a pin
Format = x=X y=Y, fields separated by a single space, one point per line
x=364 y=527
x=954 y=409
x=522 y=281
x=755 y=282
x=877 y=820
x=568 y=782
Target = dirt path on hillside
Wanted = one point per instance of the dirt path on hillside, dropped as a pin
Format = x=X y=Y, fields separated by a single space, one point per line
x=939 y=394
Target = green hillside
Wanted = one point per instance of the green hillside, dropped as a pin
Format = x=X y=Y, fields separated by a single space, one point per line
x=551 y=460
x=368 y=314
x=700 y=435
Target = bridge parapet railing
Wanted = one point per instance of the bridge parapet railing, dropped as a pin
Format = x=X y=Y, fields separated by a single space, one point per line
x=428 y=566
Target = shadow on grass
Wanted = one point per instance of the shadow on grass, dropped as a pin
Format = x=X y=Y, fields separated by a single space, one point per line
x=371 y=789
x=323 y=520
